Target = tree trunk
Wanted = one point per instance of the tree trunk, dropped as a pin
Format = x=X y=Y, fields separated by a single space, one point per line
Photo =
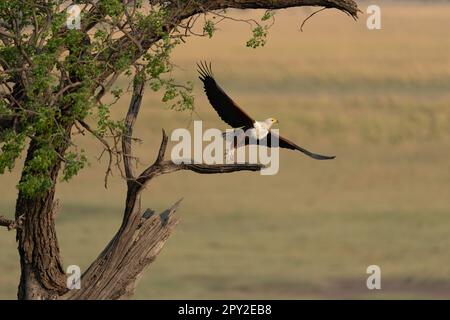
x=42 y=275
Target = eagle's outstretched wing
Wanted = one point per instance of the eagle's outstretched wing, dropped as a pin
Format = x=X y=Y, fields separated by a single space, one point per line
x=287 y=144
x=227 y=109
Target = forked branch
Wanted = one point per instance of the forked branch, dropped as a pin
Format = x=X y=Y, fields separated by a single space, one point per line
x=162 y=166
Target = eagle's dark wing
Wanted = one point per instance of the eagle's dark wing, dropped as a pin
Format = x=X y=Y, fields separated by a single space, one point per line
x=227 y=109
x=287 y=144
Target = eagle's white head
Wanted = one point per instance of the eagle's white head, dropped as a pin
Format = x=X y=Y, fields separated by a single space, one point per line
x=270 y=122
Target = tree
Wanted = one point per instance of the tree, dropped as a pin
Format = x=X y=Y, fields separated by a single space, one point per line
x=54 y=77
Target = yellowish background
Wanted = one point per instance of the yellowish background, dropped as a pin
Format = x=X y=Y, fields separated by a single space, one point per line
x=379 y=100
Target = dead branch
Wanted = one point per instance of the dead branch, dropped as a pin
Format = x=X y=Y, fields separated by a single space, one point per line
x=309 y=17
x=164 y=167
x=133 y=111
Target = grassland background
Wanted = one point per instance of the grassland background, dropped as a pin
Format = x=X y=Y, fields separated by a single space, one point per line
x=379 y=100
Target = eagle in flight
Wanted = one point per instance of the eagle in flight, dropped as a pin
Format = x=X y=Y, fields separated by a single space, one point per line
x=234 y=116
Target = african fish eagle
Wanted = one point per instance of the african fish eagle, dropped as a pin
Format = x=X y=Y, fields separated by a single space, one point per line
x=234 y=116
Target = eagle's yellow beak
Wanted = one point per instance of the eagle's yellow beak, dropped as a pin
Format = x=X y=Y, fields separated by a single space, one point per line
x=276 y=121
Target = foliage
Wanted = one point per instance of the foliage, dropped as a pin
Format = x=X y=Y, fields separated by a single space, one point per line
x=209 y=28
x=54 y=77
x=260 y=32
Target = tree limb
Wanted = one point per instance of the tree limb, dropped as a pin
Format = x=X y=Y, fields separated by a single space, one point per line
x=133 y=111
x=12 y=224
x=164 y=167
x=348 y=6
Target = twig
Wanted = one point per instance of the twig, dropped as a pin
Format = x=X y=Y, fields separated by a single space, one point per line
x=310 y=16
x=107 y=148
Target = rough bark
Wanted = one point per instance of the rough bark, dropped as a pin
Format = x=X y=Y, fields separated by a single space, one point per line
x=42 y=274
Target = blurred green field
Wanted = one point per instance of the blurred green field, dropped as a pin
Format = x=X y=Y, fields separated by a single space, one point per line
x=379 y=100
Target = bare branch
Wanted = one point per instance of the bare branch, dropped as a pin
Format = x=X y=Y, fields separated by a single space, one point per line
x=161 y=167
x=12 y=224
x=133 y=111
x=347 y=6
x=309 y=17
